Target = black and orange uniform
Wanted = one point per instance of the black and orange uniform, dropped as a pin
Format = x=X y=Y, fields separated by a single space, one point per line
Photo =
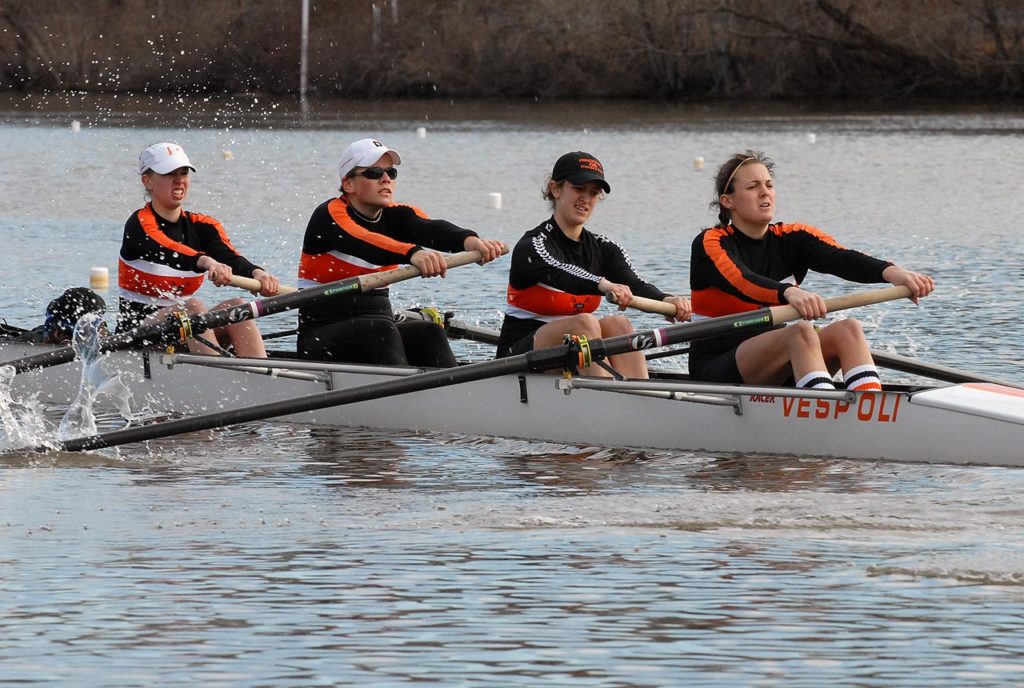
x=360 y=328
x=158 y=264
x=553 y=277
x=733 y=273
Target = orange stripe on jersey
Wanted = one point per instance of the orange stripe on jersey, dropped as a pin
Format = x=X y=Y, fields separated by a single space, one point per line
x=327 y=267
x=543 y=300
x=338 y=208
x=147 y=218
x=132 y=279
x=712 y=303
x=206 y=219
x=781 y=229
x=730 y=271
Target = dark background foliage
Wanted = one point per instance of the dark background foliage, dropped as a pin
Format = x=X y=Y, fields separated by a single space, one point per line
x=660 y=49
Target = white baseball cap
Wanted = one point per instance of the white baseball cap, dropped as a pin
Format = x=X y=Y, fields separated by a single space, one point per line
x=163 y=158
x=363 y=153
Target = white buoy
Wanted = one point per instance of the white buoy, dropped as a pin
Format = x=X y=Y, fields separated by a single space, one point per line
x=812 y=138
x=421 y=132
x=698 y=163
x=76 y=126
x=99 y=279
x=494 y=200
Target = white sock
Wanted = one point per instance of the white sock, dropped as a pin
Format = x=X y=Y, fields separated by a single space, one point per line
x=816 y=379
x=862 y=378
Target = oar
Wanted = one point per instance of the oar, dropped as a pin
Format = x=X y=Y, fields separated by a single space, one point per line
x=882 y=358
x=455 y=328
x=933 y=370
x=571 y=356
x=253 y=285
x=646 y=305
x=155 y=332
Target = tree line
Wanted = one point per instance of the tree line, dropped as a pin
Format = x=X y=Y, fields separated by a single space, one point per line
x=649 y=49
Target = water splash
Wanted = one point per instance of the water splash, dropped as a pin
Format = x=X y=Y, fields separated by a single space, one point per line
x=23 y=421
x=79 y=420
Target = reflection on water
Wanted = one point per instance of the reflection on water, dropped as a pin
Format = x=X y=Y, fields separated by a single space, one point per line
x=283 y=555
x=286 y=555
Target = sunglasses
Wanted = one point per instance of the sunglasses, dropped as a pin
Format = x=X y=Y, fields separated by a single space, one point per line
x=377 y=172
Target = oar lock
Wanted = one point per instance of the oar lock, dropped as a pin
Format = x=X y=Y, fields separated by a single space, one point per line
x=577 y=355
x=185 y=322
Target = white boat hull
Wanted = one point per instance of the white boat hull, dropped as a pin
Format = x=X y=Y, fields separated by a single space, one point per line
x=970 y=423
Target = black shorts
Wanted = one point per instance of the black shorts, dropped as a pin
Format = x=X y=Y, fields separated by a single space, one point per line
x=379 y=340
x=516 y=336
x=130 y=314
x=520 y=346
x=720 y=367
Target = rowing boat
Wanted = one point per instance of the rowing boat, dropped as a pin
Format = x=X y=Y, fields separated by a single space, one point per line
x=965 y=423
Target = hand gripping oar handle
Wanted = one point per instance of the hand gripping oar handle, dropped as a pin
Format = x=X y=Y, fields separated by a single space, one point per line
x=539 y=360
x=785 y=313
x=253 y=285
x=159 y=331
x=646 y=305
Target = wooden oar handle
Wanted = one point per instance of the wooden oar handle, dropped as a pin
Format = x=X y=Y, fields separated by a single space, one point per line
x=646 y=305
x=372 y=280
x=250 y=284
x=375 y=280
x=787 y=313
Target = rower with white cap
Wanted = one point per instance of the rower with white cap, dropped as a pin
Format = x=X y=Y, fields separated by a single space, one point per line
x=364 y=231
x=167 y=251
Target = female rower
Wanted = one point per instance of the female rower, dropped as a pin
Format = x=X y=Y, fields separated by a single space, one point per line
x=365 y=231
x=746 y=262
x=560 y=270
x=166 y=250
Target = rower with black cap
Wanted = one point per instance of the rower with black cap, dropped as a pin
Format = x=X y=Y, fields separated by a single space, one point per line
x=560 y=271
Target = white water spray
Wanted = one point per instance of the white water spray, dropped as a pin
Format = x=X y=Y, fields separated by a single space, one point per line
x=80 y=419
x=23 y=421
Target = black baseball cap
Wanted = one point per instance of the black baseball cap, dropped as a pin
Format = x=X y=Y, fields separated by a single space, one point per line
x=579 y=168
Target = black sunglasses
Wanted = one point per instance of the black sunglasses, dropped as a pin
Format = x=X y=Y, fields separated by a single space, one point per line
x=377 y=172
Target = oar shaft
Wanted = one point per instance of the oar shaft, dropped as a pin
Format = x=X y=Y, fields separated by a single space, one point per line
x=934 y=371
x=377 y=390
x=540 y=360
x=455 y=328
x=276 y=304
x=155 y=332
x=762 y=318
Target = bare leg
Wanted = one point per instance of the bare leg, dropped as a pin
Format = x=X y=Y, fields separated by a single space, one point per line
x=192 y=307
x=843 y=345
x=195 y=307
x=771 y=358
x=245 y=336
x=583 y=325
x=632 y=364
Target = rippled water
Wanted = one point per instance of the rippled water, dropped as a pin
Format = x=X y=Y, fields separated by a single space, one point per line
x=283 y=555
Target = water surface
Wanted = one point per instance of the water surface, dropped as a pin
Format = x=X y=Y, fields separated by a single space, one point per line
x=284 y=555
